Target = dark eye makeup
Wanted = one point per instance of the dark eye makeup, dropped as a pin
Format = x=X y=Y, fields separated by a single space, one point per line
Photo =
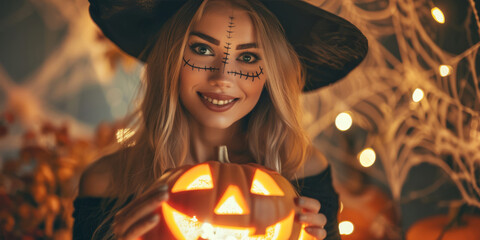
x=202 y=49
x=248 y=57
x=205 y=50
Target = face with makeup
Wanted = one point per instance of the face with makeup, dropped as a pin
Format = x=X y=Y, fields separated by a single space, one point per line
x=222 y=75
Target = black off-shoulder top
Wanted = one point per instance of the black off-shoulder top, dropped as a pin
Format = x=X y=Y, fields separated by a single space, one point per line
x=89 y=212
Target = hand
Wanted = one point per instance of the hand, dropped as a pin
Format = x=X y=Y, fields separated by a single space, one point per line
x=138 y=217
x=309 y=216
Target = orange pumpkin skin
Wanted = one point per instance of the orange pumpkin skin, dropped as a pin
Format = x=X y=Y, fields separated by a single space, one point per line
x=206 y=205
x=430 y=229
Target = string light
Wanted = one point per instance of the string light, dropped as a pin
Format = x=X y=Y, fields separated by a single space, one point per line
x=367 y=157
x=345 y=227
x=444 y=70
x=417 y=95
x=438 y=15
x=343 y=121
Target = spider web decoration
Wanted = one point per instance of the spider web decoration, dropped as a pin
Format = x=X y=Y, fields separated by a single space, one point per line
x=56 y=65
x=406 y=48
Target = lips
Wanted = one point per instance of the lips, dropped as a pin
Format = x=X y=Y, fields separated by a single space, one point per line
x=217 y=102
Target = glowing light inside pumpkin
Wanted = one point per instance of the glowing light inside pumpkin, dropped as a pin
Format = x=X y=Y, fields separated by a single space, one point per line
x=303 y=234
x=202 y=182
x=184 y=227
x=438 y=15
x=232 y=202
x=197 y=178
x=367 y=157
x=444 y=70
x=258 y=188
x=417 y=95
x=345 y=228
x=263 y=184
x=343 y=121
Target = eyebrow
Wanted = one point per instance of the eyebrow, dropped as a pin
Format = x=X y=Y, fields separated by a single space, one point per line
x=217 y=42
x=206 y=37
x=246 y=46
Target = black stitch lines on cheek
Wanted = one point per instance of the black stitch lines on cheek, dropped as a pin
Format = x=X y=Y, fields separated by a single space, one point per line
x=205 y=68
x=248 y=75
x=228 y=44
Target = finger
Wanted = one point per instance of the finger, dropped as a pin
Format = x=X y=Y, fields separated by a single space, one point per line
x=308 y=204
x=141 y=227
x=312 y=219
x=317 y=232
x=124 y=220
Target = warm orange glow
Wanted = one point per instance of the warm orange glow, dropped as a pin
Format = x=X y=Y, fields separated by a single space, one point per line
x=418 y=95
x=263 y=184
x=367 y=157
x=343 y=121
x=445 y=70
x=124 y=134
x=184 y=227
x=196 y=178
x=346 y=228
x=438 y=15
x=304 y=235
x=232 y=203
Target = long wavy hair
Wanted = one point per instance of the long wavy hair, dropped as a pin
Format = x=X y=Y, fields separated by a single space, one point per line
x=273 y=129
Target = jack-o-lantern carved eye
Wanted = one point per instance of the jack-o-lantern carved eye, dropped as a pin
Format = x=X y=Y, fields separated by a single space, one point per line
x=263 y=184
x=197 y=178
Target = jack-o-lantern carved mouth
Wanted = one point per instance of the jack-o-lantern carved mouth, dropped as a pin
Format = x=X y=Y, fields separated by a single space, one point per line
x=186 y=227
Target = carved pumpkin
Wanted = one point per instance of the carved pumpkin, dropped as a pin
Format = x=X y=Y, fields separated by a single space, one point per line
x=431 y=228
x=216 y=200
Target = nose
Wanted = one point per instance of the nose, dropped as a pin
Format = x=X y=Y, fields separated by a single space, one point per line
x=221 y=83
x=220 y=79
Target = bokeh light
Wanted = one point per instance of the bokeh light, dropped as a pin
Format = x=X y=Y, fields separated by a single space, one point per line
x=123 y=134
x=417 y=95
x=438 y=15
x=444 y=70
x=343 y=121
x=367 y=157
x=345 y=227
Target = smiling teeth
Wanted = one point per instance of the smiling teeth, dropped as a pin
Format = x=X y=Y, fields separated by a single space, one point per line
x=218 y=102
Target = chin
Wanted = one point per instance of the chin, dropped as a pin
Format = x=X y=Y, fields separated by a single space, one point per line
x=218 y=124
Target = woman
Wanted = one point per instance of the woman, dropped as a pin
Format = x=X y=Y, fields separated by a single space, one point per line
x=217 y=73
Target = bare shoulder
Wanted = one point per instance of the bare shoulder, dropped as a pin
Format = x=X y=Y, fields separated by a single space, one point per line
x=96 y=179
x=314 y=164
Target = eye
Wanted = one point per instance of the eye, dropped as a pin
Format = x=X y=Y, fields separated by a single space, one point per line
x=248 y=58
x=201 y=49
x=263 y=184
x=197 y=178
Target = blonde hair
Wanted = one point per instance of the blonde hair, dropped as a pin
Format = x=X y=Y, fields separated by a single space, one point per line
x=274 y=132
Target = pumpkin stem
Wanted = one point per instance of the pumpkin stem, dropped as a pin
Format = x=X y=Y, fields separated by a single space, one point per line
x=223 y=154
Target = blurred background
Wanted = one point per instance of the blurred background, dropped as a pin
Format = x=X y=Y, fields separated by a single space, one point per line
x=401 y=131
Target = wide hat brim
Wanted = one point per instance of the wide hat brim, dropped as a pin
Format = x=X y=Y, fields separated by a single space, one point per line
x=328 y=45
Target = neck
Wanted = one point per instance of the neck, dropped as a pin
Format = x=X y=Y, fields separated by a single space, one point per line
x=204 y=141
